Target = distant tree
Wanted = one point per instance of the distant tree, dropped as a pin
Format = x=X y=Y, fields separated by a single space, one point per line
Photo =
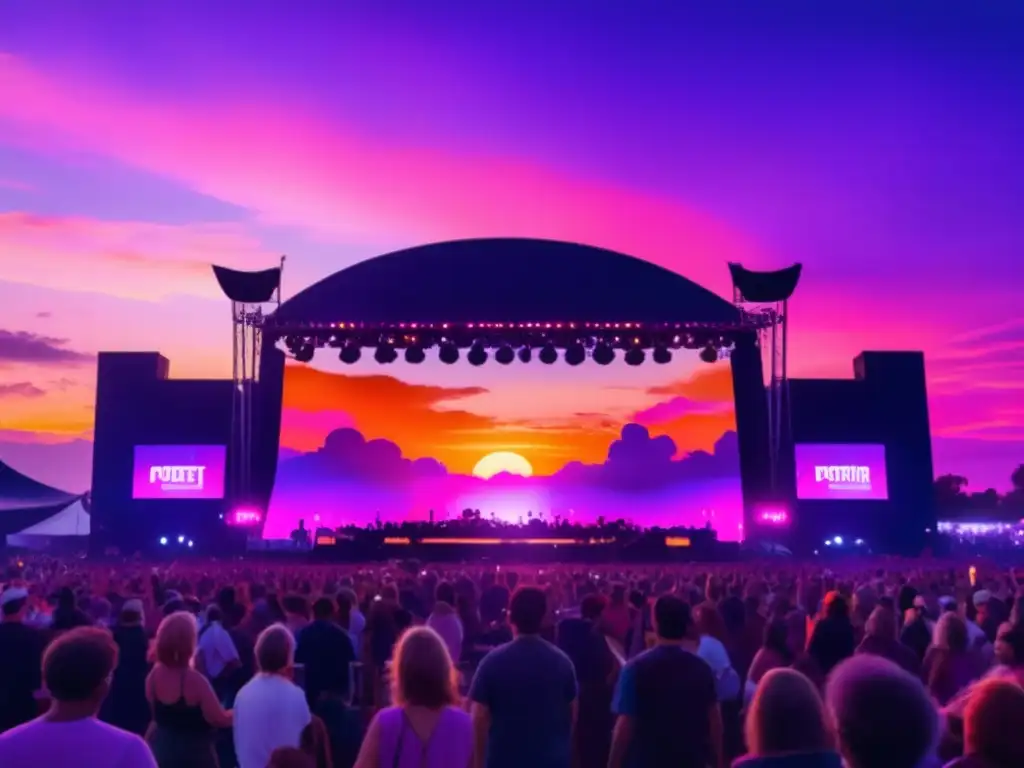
x=950 y=491
x=1014 y=500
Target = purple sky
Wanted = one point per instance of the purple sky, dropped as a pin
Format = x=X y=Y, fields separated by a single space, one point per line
x=882 y=146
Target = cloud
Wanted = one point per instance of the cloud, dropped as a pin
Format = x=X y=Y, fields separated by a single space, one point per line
x=294 y=168
x=17 y=186
x=20 y=389
x=44 y=315
x=50 y=459
x=131 y=259
x=709 y=384
x=675 y=409
x=26 y=347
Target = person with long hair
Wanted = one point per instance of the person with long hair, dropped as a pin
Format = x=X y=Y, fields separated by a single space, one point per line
x=949 y=666
x=186 y=711
x=424 y=727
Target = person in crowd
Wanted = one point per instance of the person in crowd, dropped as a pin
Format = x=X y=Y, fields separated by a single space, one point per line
x=216 y=655
x=655 y=725
x=773 y=653
x=832 y=638
x=445 y=620
x=918 y=629
x=186 y=711
x=270 y=710
x=865 y=600
x=596 y=667
x=617 y=614
x=527 y=686
x=290 y=757
x=351 y=618
x=126 y=705
x=994 y=727
x=67 y=615
x=296 y=613
x=640 y=624
x=949 y=665
x=883 y=716
x=21 y=653
x=710 y=628
x=76 y=668
x=424 y=728
x=991 y=613
x=786 y=725
x=326 y=652
x=880 y=640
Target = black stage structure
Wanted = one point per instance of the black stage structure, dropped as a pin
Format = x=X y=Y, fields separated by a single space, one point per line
x=509 y=301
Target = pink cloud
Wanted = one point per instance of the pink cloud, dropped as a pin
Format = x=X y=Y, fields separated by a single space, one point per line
x=293 y=168
x=308 y=428
x=132 y=259
x=677 y=407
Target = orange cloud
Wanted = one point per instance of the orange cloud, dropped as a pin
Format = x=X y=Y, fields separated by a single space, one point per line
x=710 y=384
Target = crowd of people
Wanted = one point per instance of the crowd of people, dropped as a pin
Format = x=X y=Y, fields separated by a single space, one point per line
x=883 y=664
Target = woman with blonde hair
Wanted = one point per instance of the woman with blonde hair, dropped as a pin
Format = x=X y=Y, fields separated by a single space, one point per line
x=186 y=712
x=425 y=728
x=786 y=724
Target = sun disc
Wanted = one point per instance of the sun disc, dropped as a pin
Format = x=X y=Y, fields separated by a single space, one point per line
x=502 y=461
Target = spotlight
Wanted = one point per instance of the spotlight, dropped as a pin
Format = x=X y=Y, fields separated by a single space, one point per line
x=304 y=353
x=163 y=541
x=548 y=355
x=181 y=539
x=350 y=353
x=709 y=354
x=190 y=542
x=662 y=355
x=385 y=353
x=525 y=353
x=505 y=354
x=448 y=354
x=635 y=356
x=575 y=353
x=477 y=354
x=415 y=355
x=603 y=354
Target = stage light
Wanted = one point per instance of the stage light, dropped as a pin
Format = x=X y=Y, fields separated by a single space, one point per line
x=859 y=542
x=163 y=541
x=838 y=541
x=304 y=353
x=548 y=355
x=350 y=353
x=709 y=354
x=477 y=355
x=635 y=356
x=505 y=354
x=385 y=354
x=525 y=354
x=181 y=539
x=245 y=516
x=190 y=542
x=415 y=355
x=448 y=353
x=603 y=354
x=575 y=353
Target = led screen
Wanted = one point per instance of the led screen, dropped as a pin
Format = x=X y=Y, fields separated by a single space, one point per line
x=832 y=471
x=178 y=472
x=653 y=444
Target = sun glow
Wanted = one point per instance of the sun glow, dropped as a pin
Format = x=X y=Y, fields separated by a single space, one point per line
x=502 y=461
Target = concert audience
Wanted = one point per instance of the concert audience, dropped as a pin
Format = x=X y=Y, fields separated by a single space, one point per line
x=425 y=728
x=216 y=655
x=186 y=711
x=68 y=615
x=832 y=639
x=445 y=621
x=524 y=695
x=76 y=670
x=880 y=639
x=949 y=665
x=655 y=725
x=21 y=653
x=270 y=710
x=126 y=705
x=992 y=727
x=325 y=650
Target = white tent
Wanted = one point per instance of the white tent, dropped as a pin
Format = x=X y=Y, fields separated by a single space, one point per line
x=69 y=524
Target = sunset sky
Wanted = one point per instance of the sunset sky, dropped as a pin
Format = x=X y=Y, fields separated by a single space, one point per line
x=879 y=143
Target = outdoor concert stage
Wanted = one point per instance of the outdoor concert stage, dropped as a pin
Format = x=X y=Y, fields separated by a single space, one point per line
x=196 y=461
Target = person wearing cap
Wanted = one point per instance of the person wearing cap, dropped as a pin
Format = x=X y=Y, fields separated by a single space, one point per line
x=21 y=653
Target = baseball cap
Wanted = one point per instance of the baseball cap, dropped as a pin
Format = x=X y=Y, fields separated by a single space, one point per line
x=12 y=594
x=981 y=597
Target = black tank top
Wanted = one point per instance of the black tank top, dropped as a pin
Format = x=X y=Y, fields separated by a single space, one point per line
x=180 y=716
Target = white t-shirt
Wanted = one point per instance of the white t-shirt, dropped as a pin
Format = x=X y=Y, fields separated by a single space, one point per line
x=73 y=744
x=217 y=649
x=270 y=712
x=726 y=678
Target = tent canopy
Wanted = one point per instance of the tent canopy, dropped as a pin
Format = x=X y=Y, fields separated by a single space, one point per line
x=25 y=502
x=73 y=520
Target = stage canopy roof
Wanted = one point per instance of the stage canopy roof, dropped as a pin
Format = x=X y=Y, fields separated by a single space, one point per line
x=24 y=501
x=505 y=280
x=72 y=520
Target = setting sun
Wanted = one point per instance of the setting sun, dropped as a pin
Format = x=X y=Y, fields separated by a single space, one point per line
x=502 y=461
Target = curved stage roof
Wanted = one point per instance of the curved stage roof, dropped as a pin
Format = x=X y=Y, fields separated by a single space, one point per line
x=505 y=280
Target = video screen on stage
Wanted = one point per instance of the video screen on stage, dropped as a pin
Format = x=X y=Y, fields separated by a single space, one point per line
x=651 y=444
x=841 y=471
x=179 y=472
